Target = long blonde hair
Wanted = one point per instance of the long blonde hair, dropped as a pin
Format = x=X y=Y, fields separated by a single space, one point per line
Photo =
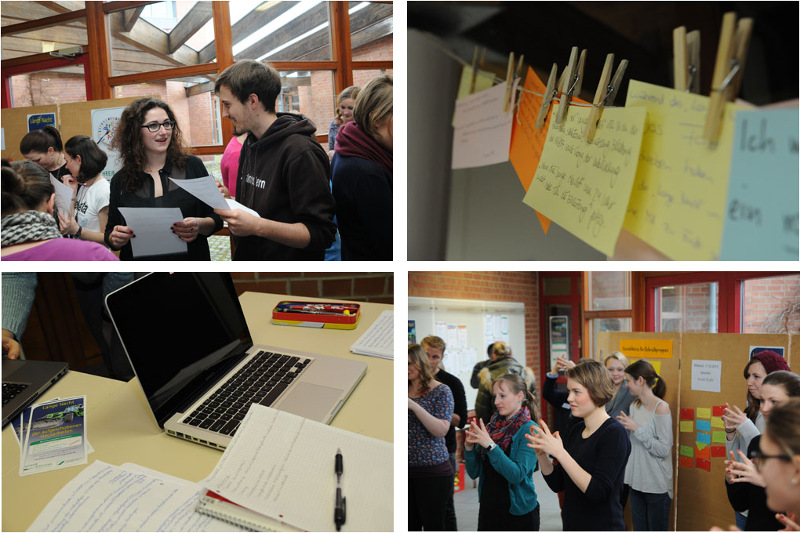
x=420 y=360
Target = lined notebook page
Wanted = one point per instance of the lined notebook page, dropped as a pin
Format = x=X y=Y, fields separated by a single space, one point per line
x=282 y=466
x=378 y=340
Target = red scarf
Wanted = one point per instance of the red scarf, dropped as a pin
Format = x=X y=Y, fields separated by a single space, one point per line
x=353 y=141
x=502 y=429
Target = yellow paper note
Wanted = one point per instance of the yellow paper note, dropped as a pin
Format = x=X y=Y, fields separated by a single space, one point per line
x=649 y=348
x=703 y=412
x=483 y=80
x=687 y=426
x=584 y=187
x=716 y=422
x=678 y=200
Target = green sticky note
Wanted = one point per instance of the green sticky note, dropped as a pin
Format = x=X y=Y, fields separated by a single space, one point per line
x=716 y=422
x=703 y=412
x=700 y=445
x=687 y=426
x=687 y=451
x=718 y=436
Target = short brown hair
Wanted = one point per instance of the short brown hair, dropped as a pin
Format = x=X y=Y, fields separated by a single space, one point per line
x=594 y=376
x=374 y=103
x=246 y=77
x=434 y=342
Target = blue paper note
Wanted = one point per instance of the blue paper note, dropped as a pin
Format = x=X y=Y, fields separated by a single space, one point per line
x=705 y=438
x=703 y=425
x=761 y=215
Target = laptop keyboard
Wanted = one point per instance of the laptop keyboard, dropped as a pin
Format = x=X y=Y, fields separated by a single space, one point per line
x=261 y=381
x=10 y=390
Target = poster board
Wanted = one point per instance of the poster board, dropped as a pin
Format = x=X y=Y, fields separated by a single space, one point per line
x=14 y=121
x=467 y=345
x=635 y=346
x=76 y=118
x=794 y=351
x=701 y=497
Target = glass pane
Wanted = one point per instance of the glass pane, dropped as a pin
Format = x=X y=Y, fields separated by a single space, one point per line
x=371 y=31
x=310 y=93
x=609 y=290
x=771 y=305
x=193 y=102
x=281 y=31
x=605 y=324
x=56 y=86
x=691 y=308
x=160 y=36
x=362 y=77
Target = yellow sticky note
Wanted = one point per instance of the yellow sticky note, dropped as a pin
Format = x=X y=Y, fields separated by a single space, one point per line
x=687 y=426
x=584 y=186
x=716 y=422
x=718 y=436
x=678 y=200
x=483 y=80
x=703 y=412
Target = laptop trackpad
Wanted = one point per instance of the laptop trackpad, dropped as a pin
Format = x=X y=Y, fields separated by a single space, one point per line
x=311 y=401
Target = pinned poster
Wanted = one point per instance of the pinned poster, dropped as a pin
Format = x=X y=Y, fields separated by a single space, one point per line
x=647 y=348
x=761 y=216
x=678 y=200
x=482 y=133
x=706 y=376
x=39 y=121
x=104 y=126
x=584 y=187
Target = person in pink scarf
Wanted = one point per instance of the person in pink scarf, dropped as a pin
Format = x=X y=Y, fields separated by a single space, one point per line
x=362 y=175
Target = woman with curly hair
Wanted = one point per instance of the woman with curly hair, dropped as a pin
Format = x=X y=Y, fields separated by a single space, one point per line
x=430 y=475
x=152 y=150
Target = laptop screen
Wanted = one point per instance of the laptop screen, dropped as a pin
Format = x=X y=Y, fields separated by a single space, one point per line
x=182 y=332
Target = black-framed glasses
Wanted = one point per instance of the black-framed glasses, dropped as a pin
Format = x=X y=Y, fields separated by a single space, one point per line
x=758 y=457
x=155 y=126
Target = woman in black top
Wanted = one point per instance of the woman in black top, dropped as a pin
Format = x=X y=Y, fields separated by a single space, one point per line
x=44 y=147
x=745 y=484
x=592 y=456
x=150 y=144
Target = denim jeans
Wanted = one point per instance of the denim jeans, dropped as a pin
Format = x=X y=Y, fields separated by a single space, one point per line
x=650 y=512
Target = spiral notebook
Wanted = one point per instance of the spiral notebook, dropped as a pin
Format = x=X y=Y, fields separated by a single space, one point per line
x=277 y=474
x=378 y=340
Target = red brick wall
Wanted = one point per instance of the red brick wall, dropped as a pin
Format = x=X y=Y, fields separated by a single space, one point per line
x=493 y=286
x=376 y=287
x=772 y=305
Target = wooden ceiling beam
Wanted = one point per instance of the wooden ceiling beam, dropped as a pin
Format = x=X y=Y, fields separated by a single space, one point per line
x=148 y=38
x=372 y=33
x=246 y=26
x=304 y=23
x=195 y=19
x=48 y=22
x=131 y=17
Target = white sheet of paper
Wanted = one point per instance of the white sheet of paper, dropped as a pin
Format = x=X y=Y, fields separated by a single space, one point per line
x=151 y=225
x=105 y=497
x=64 y=196
x=706 y=375
x=482 y=130
x=282 y=465
x=205 y=189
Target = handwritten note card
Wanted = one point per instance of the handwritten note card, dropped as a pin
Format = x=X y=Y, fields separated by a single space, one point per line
x=678 y=201
x=584 y=187
x=761 y=215
x=482 y=130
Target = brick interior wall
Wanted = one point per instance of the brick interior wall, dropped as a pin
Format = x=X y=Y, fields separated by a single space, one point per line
x=772 y=305
x=492 y=286
x=376 y=287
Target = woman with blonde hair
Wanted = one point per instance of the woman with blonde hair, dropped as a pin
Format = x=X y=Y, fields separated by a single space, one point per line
x=430 y=475
x=588 y=464
x=345 y=104
x=497 y=454
x=361 y=172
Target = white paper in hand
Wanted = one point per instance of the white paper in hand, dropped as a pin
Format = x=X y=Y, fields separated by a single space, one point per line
x=151 y=225
x=64 y=196
x=205 y=189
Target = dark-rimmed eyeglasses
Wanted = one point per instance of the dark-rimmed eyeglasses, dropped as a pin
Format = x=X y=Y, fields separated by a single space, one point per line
x=155 y=126
x=758 y=458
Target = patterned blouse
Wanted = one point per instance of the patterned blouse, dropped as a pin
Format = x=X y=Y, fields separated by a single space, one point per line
x=423 y=448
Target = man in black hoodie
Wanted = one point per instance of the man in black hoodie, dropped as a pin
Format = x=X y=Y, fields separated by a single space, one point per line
x=284 y=173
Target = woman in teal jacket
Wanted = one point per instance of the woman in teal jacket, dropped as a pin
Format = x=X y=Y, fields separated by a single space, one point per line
x=503 y=462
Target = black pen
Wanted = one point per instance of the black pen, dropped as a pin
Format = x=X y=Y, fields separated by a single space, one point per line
x=339 y=514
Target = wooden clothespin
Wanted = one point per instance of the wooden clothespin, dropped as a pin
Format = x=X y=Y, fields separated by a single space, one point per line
x=686 y=52
x=570 y=81
x=474 y=71
x=509 y=82
x=547 y=99
x=519 y=66
x=606 y=92
x=729 y=65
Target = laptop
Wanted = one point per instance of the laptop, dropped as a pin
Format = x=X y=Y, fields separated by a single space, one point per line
x=188 y=343
x=24 y=381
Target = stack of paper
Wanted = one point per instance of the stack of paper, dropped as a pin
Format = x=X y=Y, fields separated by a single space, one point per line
x=378 y=340
x=280 y=467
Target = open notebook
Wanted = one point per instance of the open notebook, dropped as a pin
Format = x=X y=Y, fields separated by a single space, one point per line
x=378 y=340
x=279 y=471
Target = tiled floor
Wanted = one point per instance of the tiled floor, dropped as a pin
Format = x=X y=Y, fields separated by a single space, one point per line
x=466 y=503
